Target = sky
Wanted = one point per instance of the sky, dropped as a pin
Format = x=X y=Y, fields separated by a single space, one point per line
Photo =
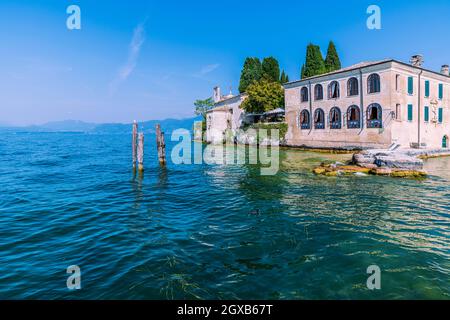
x=145 y=60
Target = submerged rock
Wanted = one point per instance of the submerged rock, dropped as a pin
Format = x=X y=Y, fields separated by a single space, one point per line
x=333 y=170
x=390 y=159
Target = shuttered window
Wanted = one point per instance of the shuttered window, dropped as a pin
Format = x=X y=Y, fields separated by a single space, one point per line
x=427 y=114
x=427 y=89
x=410 y=85
x=410 y=112
x=440 y=115
x=441 y=91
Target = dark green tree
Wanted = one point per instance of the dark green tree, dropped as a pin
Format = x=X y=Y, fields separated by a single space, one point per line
x=332 y=61
x=271 y=69
x=284 y=78
x=250 y=72
x=314 y=64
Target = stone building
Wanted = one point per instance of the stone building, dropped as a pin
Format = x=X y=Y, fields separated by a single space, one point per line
x=226 y=115
x=378 y=104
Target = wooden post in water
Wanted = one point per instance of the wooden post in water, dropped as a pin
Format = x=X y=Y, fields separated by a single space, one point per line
x=161 y=145
x=134 y=143
x=140 y=152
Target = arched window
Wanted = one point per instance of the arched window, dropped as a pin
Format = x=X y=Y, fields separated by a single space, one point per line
x=318 y=92
x=305 y=122
x=353 y=117
x=319 y=119
x=352 y=87
x=373 y=83
x=304 y=94
x=333 y=90
x=335 y=118
x=374 y=116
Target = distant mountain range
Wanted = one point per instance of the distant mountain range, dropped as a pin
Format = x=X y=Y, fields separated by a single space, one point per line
x=167 y=125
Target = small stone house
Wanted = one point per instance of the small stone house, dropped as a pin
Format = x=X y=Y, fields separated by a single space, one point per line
x=226 y=115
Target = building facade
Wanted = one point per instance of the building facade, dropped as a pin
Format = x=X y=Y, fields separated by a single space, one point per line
x=226 y=115
x=370 y=105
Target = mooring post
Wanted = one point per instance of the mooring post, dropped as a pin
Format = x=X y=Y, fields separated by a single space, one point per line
x=140 y=152
x=134 y=143
x=161 y=145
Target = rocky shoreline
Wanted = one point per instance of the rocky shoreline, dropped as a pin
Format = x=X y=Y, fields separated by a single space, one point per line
x=395 y=163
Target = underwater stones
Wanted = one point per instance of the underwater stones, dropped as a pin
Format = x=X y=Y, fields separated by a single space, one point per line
x=381 y=171
x=319 y=170
x=334 y=170
x=409 y=173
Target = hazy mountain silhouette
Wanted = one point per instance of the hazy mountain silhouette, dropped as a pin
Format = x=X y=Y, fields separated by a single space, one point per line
x=167 y=125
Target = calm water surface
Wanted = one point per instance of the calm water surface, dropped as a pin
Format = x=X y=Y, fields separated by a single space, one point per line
x=212 y=231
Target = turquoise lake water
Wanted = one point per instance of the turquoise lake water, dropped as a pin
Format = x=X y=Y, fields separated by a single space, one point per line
x=212 y=231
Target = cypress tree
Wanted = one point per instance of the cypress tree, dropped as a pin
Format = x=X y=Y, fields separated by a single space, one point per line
x=314 y=64
x=270 y=69
x=251 y=72
x=284 y=78
x=332 y=61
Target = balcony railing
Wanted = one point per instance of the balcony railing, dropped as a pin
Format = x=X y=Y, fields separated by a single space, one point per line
x=335 y=125
x=319 y=125
x=354 y=124
x=374 y=124
x=305 y=126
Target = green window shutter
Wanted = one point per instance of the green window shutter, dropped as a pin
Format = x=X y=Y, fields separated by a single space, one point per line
x=410 y=112
x=441 y=91
x=410 y=85
x=440 y=115
x=427 y=114
x=427 y=89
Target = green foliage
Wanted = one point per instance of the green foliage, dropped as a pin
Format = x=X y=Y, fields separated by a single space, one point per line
x=270 y=69
x=263 y=96
x=282 y=127
x=314 y=64
x=332 y=61
x=202 y=106
x=284 y=78
x=250 y=73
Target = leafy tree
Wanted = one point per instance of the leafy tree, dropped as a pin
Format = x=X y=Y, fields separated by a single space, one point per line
x=332 y=61
x=284 y=78
x=202 y=106
x=314 y=64
x=263 y=96
x=270 y=69
x=251 y=72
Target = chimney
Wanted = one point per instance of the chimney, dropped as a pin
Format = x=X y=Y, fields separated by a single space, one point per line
x=445 y=70
x=216 y=95
x=417 y=60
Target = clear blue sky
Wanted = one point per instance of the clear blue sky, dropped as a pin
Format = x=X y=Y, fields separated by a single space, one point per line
x=151 y=59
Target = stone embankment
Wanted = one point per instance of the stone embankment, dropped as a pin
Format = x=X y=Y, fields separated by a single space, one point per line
x=396 y=163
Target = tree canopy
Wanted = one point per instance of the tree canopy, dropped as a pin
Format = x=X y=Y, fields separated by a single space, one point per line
x=314 y=63
x=332 y=61
x=202 y=106
x=251 y=72
x=284 y=78
x=270 y=69
x=263 y=96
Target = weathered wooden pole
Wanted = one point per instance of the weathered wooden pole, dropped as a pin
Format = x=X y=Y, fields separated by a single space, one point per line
x=161 y=145
x=140 y=152
x=134 y=143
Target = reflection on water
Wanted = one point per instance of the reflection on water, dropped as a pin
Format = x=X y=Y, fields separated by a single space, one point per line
x=213 y=231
